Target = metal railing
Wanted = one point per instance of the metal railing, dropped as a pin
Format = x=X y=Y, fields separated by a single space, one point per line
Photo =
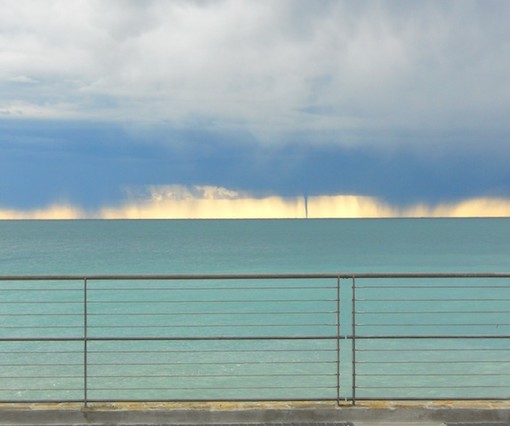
x=325 y=337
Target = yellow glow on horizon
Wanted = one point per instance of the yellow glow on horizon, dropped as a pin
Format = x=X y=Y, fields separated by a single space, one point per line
x=57 y=211
x=242 y=206
x=238 y=208
x=475 y=207
x=348 y=206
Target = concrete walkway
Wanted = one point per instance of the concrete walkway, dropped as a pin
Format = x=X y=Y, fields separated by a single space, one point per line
x=476 y=413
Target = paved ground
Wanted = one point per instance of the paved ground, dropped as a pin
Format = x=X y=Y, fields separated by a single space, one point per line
x=383 y=413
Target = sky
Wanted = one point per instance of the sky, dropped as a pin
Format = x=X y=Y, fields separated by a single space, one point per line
x=254 y=108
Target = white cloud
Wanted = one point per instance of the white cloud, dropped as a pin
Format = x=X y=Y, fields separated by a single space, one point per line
x=22 y=109
x=23 y=79
x=160 y=193
x=346 y=70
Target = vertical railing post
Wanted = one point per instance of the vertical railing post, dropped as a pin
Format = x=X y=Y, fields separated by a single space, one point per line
x=338 y=341
x=85 y=348
x=353 y=308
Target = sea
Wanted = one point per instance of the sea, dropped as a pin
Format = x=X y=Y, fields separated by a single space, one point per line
x=220 y=339
x=254 y=246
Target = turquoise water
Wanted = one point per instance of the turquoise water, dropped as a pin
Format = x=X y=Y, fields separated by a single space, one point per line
x=259 y=369
x=234 y=246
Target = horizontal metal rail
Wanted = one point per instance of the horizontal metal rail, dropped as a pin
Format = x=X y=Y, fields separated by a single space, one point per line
x=316 y=336
x=279 y=276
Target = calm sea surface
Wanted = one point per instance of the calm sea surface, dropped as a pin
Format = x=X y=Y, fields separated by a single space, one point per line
x=245 y=246
x=308 y=367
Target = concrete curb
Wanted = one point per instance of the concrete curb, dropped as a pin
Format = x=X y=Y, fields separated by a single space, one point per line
x=367 y=415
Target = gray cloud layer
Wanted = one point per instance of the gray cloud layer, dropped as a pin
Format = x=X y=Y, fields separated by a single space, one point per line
x=342 y=71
